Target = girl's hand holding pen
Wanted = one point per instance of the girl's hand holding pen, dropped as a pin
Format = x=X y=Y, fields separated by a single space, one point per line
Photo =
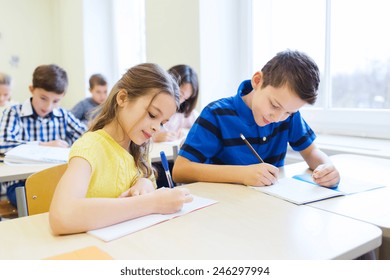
x=171 y=200
x=259 y=175
x=326 y=175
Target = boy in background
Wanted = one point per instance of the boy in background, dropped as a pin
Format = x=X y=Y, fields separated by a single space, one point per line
x=5 y=93
x=98 y=89
x=39 y=120
x=266 y=111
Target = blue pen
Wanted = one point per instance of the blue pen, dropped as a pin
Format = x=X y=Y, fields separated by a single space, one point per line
x=164 y=162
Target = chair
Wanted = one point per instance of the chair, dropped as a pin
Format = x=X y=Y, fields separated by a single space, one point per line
x=36 y=196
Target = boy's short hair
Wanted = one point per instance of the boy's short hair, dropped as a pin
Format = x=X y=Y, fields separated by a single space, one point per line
x=97 y=79
x=50 y=78
x=5 y=79
x=296 y=70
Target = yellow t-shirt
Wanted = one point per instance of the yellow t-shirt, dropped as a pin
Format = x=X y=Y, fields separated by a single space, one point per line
x=113 y=168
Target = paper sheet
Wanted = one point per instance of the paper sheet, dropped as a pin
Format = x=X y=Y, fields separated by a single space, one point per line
x=118 y=230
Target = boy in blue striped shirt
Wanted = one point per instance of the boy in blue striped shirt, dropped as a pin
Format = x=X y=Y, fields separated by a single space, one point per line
x=266 y=111
x=40 y=120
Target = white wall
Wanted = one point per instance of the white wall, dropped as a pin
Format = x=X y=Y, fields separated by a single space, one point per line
x=208 y=35
x=77 y=35
x=224 y=47
x=28 y=35
x=70 y=31
x=172 y=33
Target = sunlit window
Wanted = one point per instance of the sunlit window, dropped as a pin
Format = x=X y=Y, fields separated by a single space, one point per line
x=348 y=41
x=360 y=54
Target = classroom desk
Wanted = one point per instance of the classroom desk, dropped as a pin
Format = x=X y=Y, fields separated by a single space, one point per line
x=170 y=149
x=19 y=172
x=244 y=224
x=371 y=206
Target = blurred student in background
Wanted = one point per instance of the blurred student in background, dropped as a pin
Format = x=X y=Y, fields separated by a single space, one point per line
x=5 y=93
x=85 y=108
x=39 y=120
x=180 y=123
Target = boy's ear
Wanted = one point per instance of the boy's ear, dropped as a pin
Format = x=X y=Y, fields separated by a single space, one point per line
x=257 y=79
x=31 y=88
x=121 y=98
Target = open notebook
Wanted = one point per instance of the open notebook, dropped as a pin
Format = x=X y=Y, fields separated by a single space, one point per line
x=301 y=189
x=36 y=154
x=118 y=230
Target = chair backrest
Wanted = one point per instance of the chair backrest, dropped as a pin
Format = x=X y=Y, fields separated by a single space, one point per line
x=40 y=188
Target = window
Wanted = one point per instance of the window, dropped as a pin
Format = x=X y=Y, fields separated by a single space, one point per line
x=347 y=40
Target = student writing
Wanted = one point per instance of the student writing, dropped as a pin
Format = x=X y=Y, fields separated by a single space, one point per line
x=181 y=122
x=84 y=110
x=110 y=178
x=39 y=120
x=266 y=111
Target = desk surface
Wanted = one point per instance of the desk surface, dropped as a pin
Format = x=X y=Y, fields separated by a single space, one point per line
x=167 y=147
x=371 y=206
x=244 y=224
x=19 y=172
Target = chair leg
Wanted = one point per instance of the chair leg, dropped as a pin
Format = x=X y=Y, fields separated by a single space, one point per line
x=21 y=202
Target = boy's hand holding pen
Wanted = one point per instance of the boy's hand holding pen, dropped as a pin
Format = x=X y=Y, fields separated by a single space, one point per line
x=259 y=175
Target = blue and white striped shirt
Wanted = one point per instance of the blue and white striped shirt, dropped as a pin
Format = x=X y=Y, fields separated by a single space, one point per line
x=20 y=124
x=215 y=136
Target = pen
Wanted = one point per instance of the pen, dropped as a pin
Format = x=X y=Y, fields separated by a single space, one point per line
x=250 y=147
x=164 y=162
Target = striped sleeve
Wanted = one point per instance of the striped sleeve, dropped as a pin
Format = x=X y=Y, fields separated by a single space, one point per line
x=11 y=129
x=206 y=127
x=74 y=127
x=301 y=135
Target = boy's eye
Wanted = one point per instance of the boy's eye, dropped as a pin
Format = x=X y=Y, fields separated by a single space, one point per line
x=151 y=115
x=274 y=106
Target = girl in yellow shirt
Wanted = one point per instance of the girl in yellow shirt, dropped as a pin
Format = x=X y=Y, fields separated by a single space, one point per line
x=110 y=178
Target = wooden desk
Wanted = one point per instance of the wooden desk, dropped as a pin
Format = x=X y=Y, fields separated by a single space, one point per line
x=244 y=224
x=19 y=172
x=371 y=206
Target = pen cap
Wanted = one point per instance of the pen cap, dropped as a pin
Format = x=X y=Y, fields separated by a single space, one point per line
x=164 y=161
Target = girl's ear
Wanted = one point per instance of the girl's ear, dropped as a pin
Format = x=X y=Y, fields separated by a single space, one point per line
x=121 y=98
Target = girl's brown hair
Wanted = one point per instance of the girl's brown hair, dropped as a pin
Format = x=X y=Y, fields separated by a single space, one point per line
x=138 y=81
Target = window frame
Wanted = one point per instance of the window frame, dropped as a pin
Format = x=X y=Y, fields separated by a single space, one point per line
x=370 y=123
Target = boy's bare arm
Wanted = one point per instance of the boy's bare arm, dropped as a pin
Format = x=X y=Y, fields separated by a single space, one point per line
x=186 y=171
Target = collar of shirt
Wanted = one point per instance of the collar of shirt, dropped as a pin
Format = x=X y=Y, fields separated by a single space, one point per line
x=28 y=110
